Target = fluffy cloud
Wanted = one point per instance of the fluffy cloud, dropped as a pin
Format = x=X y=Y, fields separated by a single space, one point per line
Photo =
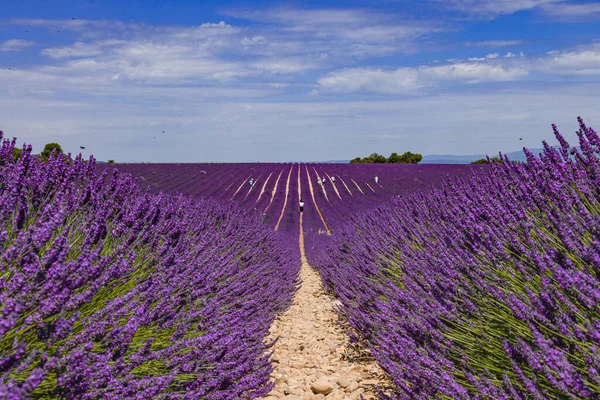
x=473 y=72
x=78 y=49
x=15 y=45
x=74 y=24
x=561 y=10
x=247 y=130
x=401 y=80
x=576 y=62
x=495 y=43
x=285 y=65
x=407 y=80
x=173 y=56
x=111 y=50
x=570 y=11
x=580 y=62
x=359 y=32
x=492 y=9
x=236 y=85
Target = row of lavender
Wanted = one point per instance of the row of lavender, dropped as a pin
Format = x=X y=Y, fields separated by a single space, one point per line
x=485 y=288
x=356 y=190
x=107 y=292
x=347 y=188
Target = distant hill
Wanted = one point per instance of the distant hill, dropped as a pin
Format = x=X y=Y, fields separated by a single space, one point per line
x=459 y=159
x=336 y=161
x=452 y=159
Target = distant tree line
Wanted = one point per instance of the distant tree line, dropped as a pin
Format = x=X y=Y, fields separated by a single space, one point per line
x=45 y=154
x=493 y=160
x=394 y=158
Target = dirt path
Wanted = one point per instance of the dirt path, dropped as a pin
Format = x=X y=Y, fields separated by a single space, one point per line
x=241 y=185
x=322 y=185
x=252 y=187
x=263 y=188
x=274 y=191
x=358 y=187
x=287 y=191
x=369 y=186
x=346 y=186
x=312 y=356
x=312 y=193
x=334 y=187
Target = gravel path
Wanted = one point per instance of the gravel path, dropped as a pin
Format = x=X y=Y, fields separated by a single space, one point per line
x=287 y=190
x=312 y=357
x=312 y=194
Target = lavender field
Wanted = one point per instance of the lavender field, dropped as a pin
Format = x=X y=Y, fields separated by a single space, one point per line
x=162 y=280
x=110 y=292
x=484 y=288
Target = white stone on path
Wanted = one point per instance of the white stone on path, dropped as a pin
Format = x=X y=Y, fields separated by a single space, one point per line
x=309 y=357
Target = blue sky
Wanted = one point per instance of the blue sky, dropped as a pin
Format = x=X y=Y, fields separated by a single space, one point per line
x=169 y=81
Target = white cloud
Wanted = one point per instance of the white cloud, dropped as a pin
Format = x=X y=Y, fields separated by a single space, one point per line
x=189 y=55
x=474 y=72
x=204 y=31
x=459 y=123
x=570 y=11
x=495 y=43
x=252 y=41
x=115 y=51
x=407 y=80
x=401 y=80
x=584 y=61
x=72 y=24
x=15 y=45
x=78 y=49
x=357 y=32
x=301 y=19
x=224 y=84
x=285 y=65
x=494 y=8
x=565 y=10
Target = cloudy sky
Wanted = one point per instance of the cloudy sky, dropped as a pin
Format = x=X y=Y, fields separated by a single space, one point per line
x=166 y=81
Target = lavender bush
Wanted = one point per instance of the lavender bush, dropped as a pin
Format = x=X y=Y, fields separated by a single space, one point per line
x=485 y=288
x=221 y=181
x=109 y=292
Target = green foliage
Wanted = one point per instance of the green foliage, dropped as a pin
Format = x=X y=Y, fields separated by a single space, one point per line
x=394 y=158
x=110 y=162
x=45 y=154
x=375 y=158
x=406 y=158
x=17 y=153
x=493 y=160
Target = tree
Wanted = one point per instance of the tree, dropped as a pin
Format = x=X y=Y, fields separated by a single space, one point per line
x=406 y=158
x=493 y=160
x=110 y=162
x=410 y=158
x=45 y=154
x=394 y=158
x=17 y=153
x=375 y=158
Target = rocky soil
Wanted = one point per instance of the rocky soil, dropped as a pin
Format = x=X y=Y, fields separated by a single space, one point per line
x=313 y=358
